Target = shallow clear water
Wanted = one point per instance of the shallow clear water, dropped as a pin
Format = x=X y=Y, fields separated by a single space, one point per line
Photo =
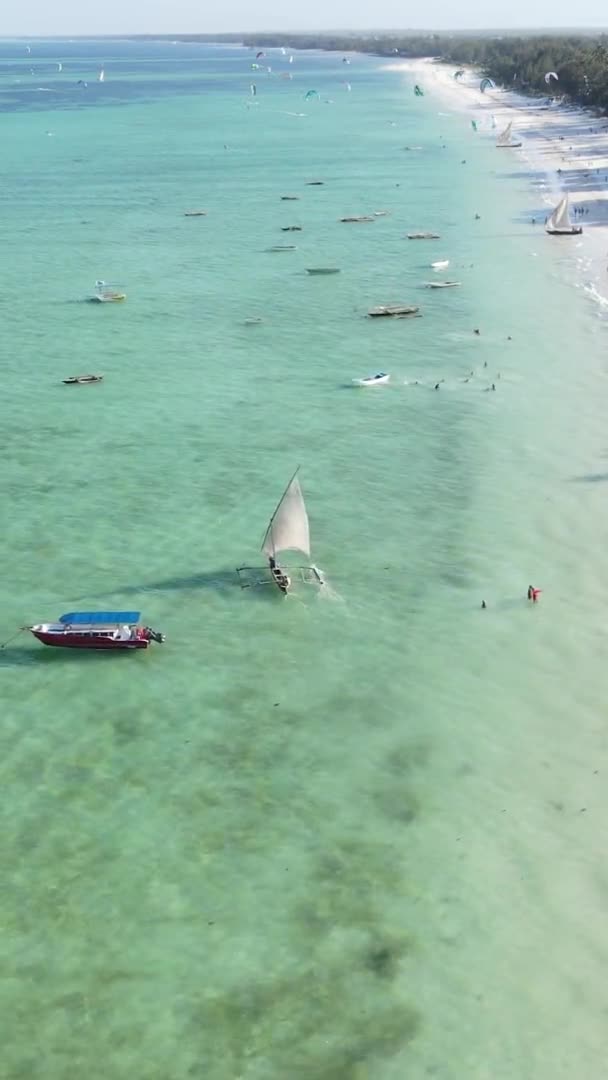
x=349 y=834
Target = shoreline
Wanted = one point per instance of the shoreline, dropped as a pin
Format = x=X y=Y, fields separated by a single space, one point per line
x=564 y=143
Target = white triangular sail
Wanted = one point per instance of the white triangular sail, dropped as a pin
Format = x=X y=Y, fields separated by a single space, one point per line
x=560 y=218
x=504 y=139
x=101 y=76
x=288 y=529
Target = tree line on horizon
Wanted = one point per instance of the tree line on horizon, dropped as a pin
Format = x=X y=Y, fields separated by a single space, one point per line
x=517 y=62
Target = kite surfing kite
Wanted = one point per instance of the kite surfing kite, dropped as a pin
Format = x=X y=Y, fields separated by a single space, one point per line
x=487 y=84
x=551 y=75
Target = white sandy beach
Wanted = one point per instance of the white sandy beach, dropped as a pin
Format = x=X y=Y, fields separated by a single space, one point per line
x=566 y=145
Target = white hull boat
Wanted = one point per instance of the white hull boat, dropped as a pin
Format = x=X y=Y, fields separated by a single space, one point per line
x=559 y=223
x=373 y=380
x=442 y=264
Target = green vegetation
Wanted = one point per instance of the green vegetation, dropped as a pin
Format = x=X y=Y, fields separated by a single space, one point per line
x=516 y=62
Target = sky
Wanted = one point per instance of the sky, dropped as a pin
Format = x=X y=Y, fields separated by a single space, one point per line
x=82 y=17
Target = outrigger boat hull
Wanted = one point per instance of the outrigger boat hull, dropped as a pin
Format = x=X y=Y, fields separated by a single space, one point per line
x=252 y=576
x=48 y=635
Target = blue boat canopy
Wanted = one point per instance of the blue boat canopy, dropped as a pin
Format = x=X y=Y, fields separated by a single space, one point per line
x=78 y=617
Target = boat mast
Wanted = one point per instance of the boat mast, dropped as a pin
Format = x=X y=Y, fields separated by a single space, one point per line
x=276 y=510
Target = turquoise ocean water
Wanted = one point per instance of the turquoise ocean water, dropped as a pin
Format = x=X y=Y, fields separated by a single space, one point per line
x=349 y=835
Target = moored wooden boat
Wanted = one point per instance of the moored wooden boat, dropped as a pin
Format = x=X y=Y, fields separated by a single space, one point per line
x=291 y=228
x=73 y=379
x=442 y=284
x=101 y=630
x=360 y=217
x=397 y=311
x=423 y=236
x=195 y=213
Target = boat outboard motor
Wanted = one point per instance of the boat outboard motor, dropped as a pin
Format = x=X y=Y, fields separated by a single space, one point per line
x=154 y=635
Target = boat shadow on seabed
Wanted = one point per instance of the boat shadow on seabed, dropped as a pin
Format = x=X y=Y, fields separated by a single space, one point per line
x=217 y=580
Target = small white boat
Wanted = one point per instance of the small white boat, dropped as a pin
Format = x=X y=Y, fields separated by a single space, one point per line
x=559 y=223
x=442 y=264
x=506 y=138
x=442 y=284
x=423 y=236
x=373 y=380
x=107 y=294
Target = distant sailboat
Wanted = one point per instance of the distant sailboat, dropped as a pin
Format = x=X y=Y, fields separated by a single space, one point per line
x=59 y=66
x=101 y=76
x=559 y=223
x=288 y=530
x=505 y=137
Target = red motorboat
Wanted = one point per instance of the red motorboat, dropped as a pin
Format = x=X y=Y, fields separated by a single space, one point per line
x=110 y=630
